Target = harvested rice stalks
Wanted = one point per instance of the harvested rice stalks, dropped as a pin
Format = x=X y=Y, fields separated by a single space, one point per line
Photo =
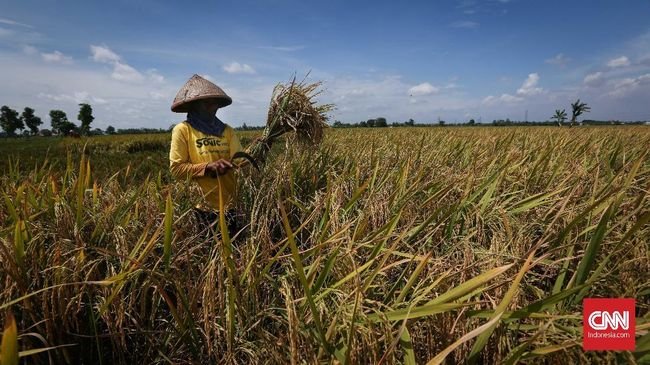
x=293 y=109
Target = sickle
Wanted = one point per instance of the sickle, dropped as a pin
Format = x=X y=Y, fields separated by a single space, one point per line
x=246 y=156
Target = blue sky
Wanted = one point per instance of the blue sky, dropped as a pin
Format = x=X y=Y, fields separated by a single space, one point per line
x=452 y=59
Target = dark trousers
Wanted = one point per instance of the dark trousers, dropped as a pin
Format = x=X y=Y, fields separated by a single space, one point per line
x=209 y=221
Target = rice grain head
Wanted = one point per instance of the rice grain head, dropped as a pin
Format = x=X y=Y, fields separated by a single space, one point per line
x=293 y=108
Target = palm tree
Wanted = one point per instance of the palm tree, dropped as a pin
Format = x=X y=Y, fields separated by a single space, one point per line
x=578 y=109
x=559 y=116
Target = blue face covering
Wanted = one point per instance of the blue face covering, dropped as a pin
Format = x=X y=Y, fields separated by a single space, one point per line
x=213 y=126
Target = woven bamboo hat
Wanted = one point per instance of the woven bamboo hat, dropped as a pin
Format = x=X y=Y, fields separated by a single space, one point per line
x=198 y=88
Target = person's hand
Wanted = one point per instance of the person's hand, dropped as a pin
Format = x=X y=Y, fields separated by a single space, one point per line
x=219 y=167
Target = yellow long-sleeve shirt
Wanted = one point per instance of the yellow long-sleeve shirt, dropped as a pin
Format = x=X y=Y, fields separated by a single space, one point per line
x=190 y=153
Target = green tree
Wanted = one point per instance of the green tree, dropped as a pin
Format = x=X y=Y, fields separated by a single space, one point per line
x=471 y=122
x=410 y=122
x=110 y=130
x=69 y=127
x=60 y=123
x=57 y=119
x=559 y=117
x=9 y=121
x=370 y=123
x=578 y=109
x=381 y=122
x=85 y=117
x=31 y=121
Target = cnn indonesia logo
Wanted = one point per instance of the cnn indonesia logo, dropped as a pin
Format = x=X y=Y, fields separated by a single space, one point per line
x=608 y=324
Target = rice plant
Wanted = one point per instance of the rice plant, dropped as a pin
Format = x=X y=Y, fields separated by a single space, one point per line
x=428 y=245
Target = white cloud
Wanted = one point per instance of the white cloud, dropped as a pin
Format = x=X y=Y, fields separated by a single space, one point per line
x=377 y=95
x=56 y=57
x=621 y=87
x=156 y=95
x=529 y=86
x=489 y=100
x=124 y=72
x=30 y=50
x=559 y=60
x=467 y=24
x=510 y=98
x=357 y=96
x=17 y=36
x=424 y=88
x=121 y=70
x=469 y=7
x=622 y=61
x=356 y=90
x=208 y=77
x=114 y=102
x=624 y=86
x=81 y=96
x=104 y=54
x=76 y=98
x=155 y=76
x=594 y=79
x=504 y=98
x=13 y=22
x=6 y=33
x=238 y=68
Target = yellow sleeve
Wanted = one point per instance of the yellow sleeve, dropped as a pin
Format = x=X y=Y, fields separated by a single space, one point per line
x=179 y=157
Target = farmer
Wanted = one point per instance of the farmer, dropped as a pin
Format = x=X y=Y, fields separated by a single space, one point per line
x=202 y=147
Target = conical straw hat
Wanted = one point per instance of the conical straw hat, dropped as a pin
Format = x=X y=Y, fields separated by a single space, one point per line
x=198 y=88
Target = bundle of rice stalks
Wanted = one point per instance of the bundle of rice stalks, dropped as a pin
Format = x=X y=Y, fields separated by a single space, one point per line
x=293 y=108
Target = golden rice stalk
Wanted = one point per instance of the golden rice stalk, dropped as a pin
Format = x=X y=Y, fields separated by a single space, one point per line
x=293 y=108
x=9 y=344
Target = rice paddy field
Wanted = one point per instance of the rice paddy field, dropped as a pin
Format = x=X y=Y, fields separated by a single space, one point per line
x=379 y=246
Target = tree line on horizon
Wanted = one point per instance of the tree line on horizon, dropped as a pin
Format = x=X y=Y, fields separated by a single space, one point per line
x=558 y=119
x=28 y=123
